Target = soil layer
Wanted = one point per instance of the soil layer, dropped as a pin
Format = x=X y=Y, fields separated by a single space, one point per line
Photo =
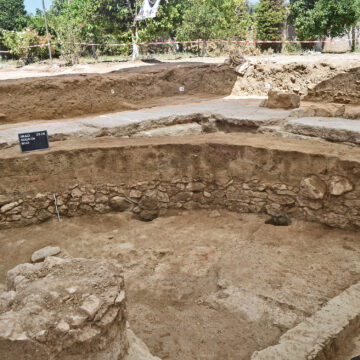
x=129 y=89
x=206 y=285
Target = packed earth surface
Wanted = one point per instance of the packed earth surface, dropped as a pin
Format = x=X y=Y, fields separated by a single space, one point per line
x=206 y=284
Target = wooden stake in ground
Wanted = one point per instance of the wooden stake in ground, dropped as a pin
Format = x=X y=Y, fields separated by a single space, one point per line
x=47 y=30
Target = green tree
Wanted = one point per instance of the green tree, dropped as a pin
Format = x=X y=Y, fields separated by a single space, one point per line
x=12 y=15
x=210 y=19
x=314 y=19
x=165 y=25
x=269 y=21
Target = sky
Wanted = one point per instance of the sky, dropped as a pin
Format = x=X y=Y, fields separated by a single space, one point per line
x=32 y=5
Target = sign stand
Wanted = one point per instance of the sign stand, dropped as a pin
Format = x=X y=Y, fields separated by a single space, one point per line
x=56 y=207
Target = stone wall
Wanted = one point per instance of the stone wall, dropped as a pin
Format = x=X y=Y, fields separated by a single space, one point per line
x=153 y=179
x=321 y=335
x=151 y=199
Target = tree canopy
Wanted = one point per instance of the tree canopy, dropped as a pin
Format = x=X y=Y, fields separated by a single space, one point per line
x=12 y=15
x=323 y=18
x=269 y=19
x=112 y=21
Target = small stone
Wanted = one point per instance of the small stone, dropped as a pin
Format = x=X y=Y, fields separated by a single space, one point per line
x=120 y=298
x=197 y=186
x=119 y=203
x=45 y=252
x=43 y=215
x=76 y=193
x=41 y=336
x=7 y=207
x=136 y=194
x=15 y=217
x=313 y=188
x=76 y=320
x=163 y=197
x=214 y=214
x=88 y=199
x=339 y=185
x=62 y=327
x=101 y=198
x=148 y=215
x=71 y=290
x=6 y=299
x=207 y=194
x=91 y=305
x=241 y=69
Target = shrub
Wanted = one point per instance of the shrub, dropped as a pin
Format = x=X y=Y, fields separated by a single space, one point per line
x=17 y=43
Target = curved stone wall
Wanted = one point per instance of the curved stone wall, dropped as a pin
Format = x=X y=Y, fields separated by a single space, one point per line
x=242 y=172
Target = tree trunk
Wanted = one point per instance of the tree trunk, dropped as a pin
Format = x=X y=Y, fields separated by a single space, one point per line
x=204 y=48
x=93 y=51
x=47 y=30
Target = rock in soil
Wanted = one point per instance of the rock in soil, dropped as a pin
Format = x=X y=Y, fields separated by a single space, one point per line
x=282 y=100
x=45 y=252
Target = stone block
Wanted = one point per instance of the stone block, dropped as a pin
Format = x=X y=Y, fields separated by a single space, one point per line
x=282 y=100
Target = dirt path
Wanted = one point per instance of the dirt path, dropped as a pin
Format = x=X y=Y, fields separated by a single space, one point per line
x=200 y=289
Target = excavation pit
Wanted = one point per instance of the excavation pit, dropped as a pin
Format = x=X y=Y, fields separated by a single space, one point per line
x=205 y=284
x=235 y=245
x=207 y=277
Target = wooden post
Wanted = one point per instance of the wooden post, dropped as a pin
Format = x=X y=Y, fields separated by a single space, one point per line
x=47 y=30
x=353 y=43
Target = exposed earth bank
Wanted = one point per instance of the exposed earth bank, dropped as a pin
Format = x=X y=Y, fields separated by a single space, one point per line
x=129 y=89
x=240 y=172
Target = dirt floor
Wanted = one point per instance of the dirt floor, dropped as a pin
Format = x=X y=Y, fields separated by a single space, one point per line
x=206 y=285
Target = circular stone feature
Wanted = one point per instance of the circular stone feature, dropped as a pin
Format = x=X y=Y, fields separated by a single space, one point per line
x=69 y=309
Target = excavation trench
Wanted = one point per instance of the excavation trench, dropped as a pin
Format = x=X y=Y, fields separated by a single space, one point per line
x=130 y=89
x=208 y=275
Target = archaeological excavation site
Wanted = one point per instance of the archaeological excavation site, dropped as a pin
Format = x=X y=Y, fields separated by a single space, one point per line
x=182 y=211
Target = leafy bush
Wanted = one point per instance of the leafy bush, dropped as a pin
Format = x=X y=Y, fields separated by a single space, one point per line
x=291 y=48
x=17 y=43
x=68 y=34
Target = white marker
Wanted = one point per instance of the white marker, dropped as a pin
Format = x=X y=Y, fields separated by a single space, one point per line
x=181 y=89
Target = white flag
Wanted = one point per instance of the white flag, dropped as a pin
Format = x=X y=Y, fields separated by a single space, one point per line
x=147 y=10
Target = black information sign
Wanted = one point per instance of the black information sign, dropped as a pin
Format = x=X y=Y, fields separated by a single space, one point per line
x=33 y=141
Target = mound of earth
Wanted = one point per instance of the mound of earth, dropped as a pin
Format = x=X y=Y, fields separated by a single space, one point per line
x=296 y=77
x=343 y=88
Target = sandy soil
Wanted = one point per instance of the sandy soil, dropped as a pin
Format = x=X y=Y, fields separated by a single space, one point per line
x=206 y=285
